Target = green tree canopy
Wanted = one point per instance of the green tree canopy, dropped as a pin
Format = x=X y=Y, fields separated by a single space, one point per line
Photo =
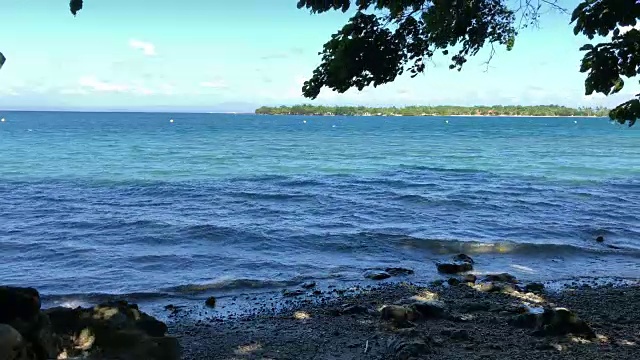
x=386 y=38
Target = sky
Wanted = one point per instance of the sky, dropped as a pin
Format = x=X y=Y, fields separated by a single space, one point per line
x=203 y=55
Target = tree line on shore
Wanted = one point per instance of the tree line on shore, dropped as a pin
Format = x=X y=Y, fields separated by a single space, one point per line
x=443 y=110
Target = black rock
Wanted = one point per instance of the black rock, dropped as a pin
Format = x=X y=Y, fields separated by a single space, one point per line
x=454 y=268
x=600 y=238
x=534 y=287
x=377 y=275
x=504 y=278
x=18 y=303
x=292 y=293
x=398 y=271
x=210 y=302
x=453 y=281
x=463 y=258
x=309 y=285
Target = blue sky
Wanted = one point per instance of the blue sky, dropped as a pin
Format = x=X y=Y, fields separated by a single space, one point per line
x=207 y=55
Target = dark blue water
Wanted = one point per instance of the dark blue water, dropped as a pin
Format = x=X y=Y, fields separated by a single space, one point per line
x=116 y=203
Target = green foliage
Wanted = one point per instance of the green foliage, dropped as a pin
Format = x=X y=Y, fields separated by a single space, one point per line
x=369 y=51
x=385 y=38
x=75 y=6
x=541 y=110
x=608 y=63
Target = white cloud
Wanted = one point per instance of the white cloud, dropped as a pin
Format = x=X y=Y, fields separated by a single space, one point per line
x=147 y=48
x=92 y=83
x=215 y=84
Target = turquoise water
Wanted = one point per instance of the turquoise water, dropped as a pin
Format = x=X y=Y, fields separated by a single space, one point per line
x=124 y=203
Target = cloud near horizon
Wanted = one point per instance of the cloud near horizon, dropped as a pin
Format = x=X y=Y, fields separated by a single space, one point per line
x=147 y=48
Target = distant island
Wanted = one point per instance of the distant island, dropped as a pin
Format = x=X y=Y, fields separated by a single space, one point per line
x=443 y=110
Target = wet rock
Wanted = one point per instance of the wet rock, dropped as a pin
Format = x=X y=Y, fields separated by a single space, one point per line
x=398 y=314
x=405 y=349
x=554 y=322
x=18 y=303
x=11 y=343
x=430 y=309
x=600 y=239
x=463 y=258
x=534 y=287
x=459 y=264
x=494 y=287
x=210 y=302
x=292 y=293
x=453 y=281
x=117 y=329
x=470 y=278
x=454 y=268
x=377 y=275
x=478 y=306
x=397 y=271
x=309 y=285
x=504 y=278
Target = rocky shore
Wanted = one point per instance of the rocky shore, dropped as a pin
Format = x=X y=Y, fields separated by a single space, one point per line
x=115 y=330
x=490 y=317
x=493 y=316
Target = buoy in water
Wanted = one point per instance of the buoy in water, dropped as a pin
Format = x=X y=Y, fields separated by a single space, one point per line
x=304 y=121
x=2 y=120
x=575 y=121
x=171 y=120
x=446 y=121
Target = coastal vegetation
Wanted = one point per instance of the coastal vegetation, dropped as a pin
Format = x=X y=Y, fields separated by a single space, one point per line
x=386 y=38
x=444 y=110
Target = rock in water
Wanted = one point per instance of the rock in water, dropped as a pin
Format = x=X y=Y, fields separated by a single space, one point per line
x=292 y=293
x=377 y=275
x=309 y=285
x=600 y=239
x=469 y=278
x=504 y=278
x=210 y=302
x=459 y=264
x=463 y=258
x=397 y=271
x=454 y=268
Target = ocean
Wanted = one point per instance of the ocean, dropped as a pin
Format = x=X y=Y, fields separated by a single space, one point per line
x=130 y=204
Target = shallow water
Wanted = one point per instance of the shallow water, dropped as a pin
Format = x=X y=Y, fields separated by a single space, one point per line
x=115 y=203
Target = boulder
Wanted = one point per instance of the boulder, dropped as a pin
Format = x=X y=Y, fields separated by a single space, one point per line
x=397 y=271
x=398 y=314
x=118 y=329
x=454 y=267
x=18 y=303
x=554 y=322
x=377 y=275
x=463 y=258
x=453 y=281
x=430 y=309
x=210 y=302
x=12 y=346
x=459 y=264
x=469 y=278
x=504 y=278
x=534 y=287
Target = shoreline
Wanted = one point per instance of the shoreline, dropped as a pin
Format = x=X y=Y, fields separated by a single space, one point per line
x=461 y=320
